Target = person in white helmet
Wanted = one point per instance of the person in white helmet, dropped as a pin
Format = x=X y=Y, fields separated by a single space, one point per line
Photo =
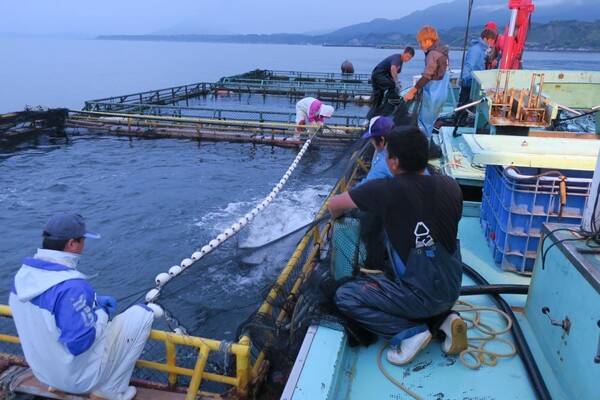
x=311 y=111
x=64 y=328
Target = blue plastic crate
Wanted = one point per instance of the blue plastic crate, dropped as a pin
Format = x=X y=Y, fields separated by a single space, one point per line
x=515 y=205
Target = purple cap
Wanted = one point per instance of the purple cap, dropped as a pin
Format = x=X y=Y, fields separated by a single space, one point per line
x=379 y=126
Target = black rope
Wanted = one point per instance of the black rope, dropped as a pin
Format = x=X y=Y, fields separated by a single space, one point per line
x=462 y=65
x=527 y=357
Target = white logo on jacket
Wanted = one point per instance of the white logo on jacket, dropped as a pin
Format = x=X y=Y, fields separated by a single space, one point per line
x=84 y=310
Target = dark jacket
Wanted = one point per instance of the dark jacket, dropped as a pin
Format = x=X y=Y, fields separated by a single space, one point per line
x=436 y=64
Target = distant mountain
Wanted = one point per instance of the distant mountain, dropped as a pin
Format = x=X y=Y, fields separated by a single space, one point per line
x=454 y=14
x=563 y=25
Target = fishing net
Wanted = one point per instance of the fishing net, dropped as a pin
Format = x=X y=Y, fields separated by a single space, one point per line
x=291 y=272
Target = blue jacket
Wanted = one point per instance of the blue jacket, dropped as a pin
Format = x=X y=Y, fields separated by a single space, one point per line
x=379 y=168
x=62 y=330
x=66 y=338
x=474 y=60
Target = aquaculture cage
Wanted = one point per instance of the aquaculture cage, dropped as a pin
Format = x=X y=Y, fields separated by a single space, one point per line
x=257 y=106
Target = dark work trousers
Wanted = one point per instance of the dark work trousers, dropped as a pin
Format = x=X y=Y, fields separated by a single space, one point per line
x=460 y=117
x=383 y=88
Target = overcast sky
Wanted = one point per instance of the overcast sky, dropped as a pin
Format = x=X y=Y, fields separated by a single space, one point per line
x=84 y=17
x=90 y=18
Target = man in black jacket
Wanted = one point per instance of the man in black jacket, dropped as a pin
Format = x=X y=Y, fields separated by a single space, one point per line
x=420 y=215
x=385 y=80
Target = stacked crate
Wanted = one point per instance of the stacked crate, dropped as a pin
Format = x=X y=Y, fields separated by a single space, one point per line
x=515 y=205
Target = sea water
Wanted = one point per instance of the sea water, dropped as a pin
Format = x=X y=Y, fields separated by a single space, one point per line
x=155 y=202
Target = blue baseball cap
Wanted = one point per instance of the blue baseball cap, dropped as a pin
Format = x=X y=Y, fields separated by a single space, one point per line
x=67 y=225
x=379 y=126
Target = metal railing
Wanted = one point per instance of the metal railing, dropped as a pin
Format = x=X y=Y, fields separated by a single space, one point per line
x=241 y=350
x=301 y=75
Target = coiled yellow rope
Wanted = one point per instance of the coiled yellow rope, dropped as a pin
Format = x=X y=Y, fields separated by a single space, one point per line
x=476 y=352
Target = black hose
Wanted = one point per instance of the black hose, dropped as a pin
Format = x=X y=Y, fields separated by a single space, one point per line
x=493 y=289
x=522 y=346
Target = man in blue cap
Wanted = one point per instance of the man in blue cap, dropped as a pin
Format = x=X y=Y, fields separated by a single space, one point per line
x=64 y=327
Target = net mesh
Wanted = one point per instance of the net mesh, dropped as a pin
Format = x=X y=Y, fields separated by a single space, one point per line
x=299 y=264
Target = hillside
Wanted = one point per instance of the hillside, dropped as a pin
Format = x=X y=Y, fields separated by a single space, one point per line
x=558 y=26
x=555 y=35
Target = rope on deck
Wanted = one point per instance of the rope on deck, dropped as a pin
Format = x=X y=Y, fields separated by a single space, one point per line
x=477 y=352
x=163 y=278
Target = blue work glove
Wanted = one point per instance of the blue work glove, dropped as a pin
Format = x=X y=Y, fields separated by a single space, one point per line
x=108 y=303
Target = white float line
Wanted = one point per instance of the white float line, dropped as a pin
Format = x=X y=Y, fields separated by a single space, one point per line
x=164 y=277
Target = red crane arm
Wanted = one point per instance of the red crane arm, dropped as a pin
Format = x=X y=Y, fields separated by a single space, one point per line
x=516 y=33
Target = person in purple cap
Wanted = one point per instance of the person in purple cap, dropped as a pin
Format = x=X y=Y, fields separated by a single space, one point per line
x=64 y=328
x=379 y=128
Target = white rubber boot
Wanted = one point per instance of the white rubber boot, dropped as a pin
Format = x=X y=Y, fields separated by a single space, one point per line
x=409 y=348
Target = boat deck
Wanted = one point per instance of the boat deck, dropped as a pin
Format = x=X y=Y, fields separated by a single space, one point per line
x=431 y=374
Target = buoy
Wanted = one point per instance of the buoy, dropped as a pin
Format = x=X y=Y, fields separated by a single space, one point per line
x=260 y=207
x=152 y=295
x=156 y=309
x=197 y=255
x=186 y=262
x=270 y=198
x=178 y=331
x=347 y=67
x=229 y=232
x=254 y=212
x=243 y=222
x=162 y=278
x=205 y=249
x=213 y=243
x=236 y=227
x=221 y=238
x=175 y=270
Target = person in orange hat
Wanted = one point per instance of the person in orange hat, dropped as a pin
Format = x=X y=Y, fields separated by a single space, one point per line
x=434 y=83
